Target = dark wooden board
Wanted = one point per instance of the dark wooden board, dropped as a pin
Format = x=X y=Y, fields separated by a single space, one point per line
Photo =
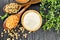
x=38 y=35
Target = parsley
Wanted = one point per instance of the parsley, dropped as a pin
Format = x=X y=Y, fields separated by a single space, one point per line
x=3 y=17
x=50 y=11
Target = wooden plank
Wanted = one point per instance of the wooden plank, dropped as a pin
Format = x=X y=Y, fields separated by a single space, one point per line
x=38 y=35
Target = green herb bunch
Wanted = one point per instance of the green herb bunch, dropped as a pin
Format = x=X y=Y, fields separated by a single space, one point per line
x=50 y=11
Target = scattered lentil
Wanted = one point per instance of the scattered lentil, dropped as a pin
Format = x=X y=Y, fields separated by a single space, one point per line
x=16 y=35
x=12 y=38
x=8 y=31
x=1 y=32
x=2 y=35
x=29 y=32
x=8 y=39
x=25 y=35
x=22 y=29
x=18 y=30
x=5 y=31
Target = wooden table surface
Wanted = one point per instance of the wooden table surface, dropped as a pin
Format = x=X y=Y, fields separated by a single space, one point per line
x=38 y=35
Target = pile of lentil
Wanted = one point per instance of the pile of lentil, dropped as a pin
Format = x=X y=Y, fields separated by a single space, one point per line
x=16 y=33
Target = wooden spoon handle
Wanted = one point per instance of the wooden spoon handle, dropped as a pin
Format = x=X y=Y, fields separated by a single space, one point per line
x=31 y=2
x=24 y=9
x=25 y=4
x=21 y=12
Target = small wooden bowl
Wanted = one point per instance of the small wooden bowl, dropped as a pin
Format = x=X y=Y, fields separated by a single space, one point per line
x=26 y=24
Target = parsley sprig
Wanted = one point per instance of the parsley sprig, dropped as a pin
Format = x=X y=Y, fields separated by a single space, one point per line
x=4 y=16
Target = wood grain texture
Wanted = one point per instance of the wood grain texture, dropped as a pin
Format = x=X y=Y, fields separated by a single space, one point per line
x=38 y=35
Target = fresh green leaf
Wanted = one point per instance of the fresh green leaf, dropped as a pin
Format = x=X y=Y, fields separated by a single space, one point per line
x=3 y=17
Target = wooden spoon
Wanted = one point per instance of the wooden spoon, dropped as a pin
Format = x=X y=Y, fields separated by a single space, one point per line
x=31 y=2
x=18 y=16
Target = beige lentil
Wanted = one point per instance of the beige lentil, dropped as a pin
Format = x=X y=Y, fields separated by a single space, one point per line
x=25 y=35
x=12 y=8
x=2 y=35
x=8 y=39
